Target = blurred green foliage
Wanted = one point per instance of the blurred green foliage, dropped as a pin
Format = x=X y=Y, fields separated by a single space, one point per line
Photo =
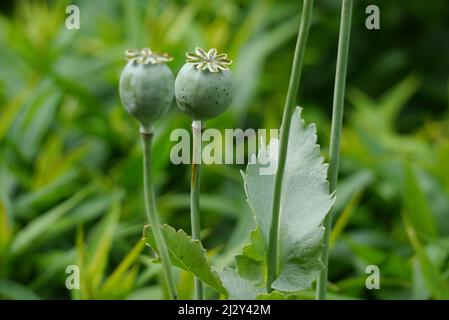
x=70 y=158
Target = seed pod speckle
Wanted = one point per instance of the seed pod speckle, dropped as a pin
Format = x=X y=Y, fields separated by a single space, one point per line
x=204 y=85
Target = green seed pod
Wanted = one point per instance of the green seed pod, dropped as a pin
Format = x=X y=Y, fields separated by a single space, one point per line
x=203 y=87
x=146 y=86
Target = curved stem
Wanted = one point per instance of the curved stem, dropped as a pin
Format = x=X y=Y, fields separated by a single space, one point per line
x=289 y=108
x=337 y=121
x=152 y=215
x=195 y=194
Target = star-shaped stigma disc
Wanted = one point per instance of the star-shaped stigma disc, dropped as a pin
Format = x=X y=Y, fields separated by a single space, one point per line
x=146 y=56
x=210 y=60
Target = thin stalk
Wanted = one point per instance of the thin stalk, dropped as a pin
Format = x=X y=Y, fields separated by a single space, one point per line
x=152 y=215
x=195 y=194
x=289 y=108
x=337 y=122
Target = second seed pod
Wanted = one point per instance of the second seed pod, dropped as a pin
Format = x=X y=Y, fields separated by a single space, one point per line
x=204 y=85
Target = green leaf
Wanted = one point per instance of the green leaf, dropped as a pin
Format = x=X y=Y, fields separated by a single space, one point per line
x=419 y=288
x=432 y=277
x=89 y=210
x=251 y=264
x=6 y=229
x=305 y=203
x=310 y=295
x=215 y=204
x=276 y=295
x=344 y=218
x=120 y=273
x=27 y=205
x=93 y=256
x=31 y=234
x=393 y=101
x=101 y=246
x=417 y=206
x=187 y=254
x=38 y=121
x=385 y=109
x=52 y=162
x=13 y=290
x=238 y=287
x=249 y=280
x=350 y=186
x=50 y=265
x=253 y=55
x=366 y=253
x=151 y=293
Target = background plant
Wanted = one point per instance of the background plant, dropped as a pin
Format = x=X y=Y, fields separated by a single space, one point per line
x=62 y=127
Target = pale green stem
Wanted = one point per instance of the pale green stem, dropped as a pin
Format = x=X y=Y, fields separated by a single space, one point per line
x=195 y=194
x=152 y=215
x=337 y=121
x=289 y=108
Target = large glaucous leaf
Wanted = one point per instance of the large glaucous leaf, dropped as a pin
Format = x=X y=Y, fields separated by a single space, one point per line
x=238 y=287
x=248 y=281
x=305 y=201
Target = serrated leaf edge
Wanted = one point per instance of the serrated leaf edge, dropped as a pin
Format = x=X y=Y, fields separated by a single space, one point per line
x=194 y=241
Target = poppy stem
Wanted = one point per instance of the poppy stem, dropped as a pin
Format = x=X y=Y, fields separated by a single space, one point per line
x=336 y=129
x=195 y=194
x=301 y=43
x=152 y=215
